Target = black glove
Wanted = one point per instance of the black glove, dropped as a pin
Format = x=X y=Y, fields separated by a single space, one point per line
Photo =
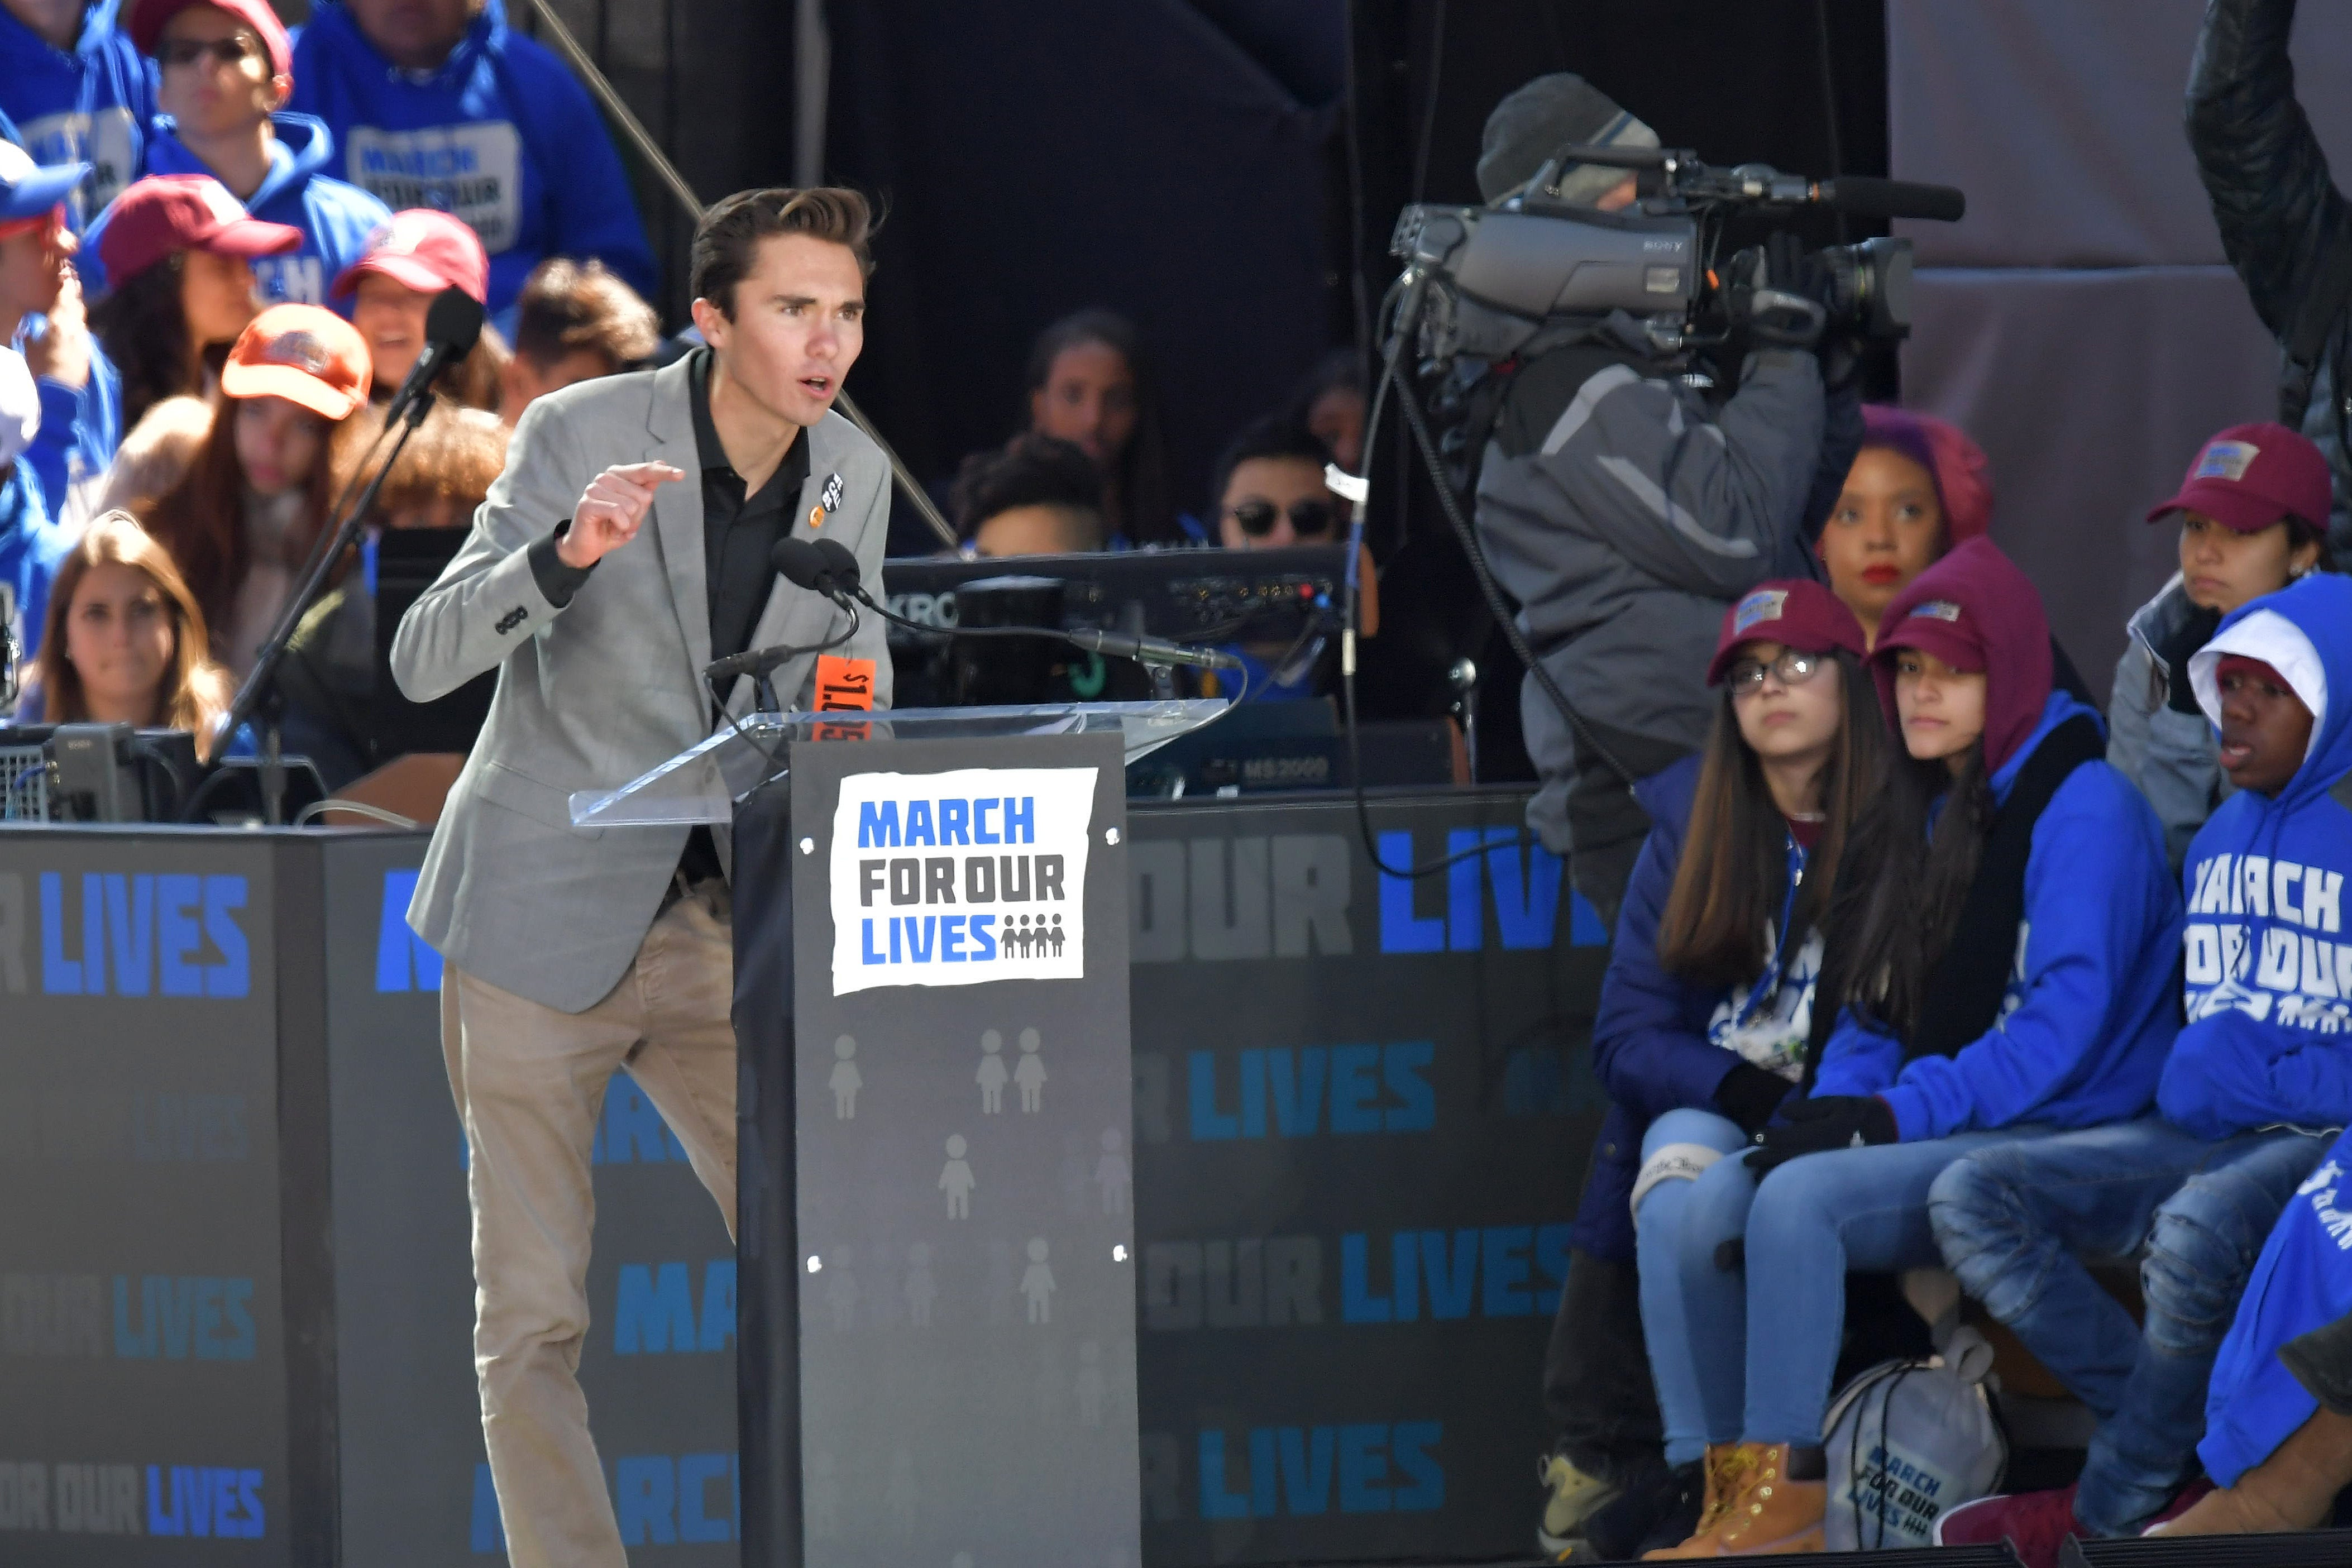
x=1748 y=1096
x=1766 y=292
x=1810 y=1126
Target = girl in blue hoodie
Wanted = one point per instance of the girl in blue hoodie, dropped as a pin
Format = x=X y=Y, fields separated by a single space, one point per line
x=81 y=95
x=2002 y=945
x=1704 y=1010
x=2254 y=1082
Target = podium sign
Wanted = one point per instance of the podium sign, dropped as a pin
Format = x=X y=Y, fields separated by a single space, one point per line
x=947 y=1046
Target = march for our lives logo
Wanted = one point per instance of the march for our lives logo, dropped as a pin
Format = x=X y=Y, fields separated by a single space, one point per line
x=961 y=878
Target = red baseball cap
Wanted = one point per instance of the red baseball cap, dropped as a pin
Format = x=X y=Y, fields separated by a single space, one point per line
x=148 y=17
x=1794 y=612
x=303 y=353
x=425 y=250
x=165 y=212
x=2251 y=476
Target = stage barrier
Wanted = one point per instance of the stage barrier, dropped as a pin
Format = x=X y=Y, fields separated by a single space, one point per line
x=235 y=1295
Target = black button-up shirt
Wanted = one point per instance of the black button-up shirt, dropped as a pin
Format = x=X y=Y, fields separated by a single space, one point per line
x=739 y=531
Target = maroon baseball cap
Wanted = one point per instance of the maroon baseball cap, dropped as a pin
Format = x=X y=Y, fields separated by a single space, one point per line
x=425 y=250
x=148 y=17
x=164 y=212
x=2251 y=476
x=1794 y=612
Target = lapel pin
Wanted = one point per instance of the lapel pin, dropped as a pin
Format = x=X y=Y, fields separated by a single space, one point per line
x=830 y=501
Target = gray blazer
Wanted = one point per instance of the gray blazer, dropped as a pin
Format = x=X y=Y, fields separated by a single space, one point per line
x=593 y=695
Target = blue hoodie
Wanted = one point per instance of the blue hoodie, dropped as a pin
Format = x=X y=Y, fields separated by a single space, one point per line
x=92 y=104
x=30 y=549
x=501 y=135
x=80 y=427
x=2302 y=1281
x=2269 y=972
x=1660 y=1043
x=2089 y=1011
x=335 y=218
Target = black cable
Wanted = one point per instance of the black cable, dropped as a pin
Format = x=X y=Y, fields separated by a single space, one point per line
x=1829 y=102
x=1429 y=107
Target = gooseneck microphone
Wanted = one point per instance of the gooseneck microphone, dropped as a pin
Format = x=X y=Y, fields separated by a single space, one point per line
x=453 y=325
x=840 y=576
x=804 y=565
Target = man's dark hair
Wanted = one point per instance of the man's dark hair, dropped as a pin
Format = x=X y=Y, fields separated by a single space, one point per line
x=566 y=306
x=727 y=240
x=1029 y=470
x=1275 y=436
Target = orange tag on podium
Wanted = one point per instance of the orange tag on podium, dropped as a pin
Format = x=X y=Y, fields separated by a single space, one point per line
x=844 y=685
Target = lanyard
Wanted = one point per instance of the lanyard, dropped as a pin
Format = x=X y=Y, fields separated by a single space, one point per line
x=1768 y=984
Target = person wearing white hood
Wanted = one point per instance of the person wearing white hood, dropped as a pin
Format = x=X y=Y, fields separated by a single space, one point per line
x=30 y=545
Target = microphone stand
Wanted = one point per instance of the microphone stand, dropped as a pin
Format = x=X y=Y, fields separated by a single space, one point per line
x=259 y=694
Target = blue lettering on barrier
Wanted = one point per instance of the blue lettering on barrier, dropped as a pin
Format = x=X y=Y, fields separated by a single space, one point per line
x=154 y=928
x=1499 y=1272
x=489 y=1532
x=665 y=1501
x=1302 y=1471
x=204 y=1500
x=198 y=1317
x=1369 y=1088
x=1523 y=879
x=404 y=961
x=655 y=1311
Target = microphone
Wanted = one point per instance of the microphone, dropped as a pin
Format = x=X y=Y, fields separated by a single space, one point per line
x=452 y=323
x=1866 y=196
x=1152 y=650
x=804 y=563
x=843 y=578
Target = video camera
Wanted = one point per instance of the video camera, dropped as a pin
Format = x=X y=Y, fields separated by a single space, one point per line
x=1484 y=282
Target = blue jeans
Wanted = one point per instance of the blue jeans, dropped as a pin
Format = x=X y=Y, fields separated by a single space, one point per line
x=1755 y=1351
x=1657 y=1233
x=2015 y=1222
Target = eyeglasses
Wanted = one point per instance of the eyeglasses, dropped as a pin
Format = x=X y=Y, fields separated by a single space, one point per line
x=1258 y=518
x=1792 y=668
x=232 y=50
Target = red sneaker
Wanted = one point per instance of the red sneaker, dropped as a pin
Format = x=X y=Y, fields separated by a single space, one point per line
x=2035 y=1524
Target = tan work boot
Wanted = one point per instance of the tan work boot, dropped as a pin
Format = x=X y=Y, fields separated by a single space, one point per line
x=1725 y=1463
x=1768 y=1515
x=2293 y=1489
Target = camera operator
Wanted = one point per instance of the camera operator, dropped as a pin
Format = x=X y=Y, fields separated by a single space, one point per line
x=1624 y=506
x=2285 y=226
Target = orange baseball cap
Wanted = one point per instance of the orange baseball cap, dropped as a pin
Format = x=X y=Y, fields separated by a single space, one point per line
x=304 y=354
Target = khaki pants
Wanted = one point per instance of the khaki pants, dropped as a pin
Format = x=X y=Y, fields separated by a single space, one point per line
x=529 y=1083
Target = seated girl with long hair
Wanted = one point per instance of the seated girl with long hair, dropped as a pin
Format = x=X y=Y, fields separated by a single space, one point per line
x=2001 y=949
x=243 y=518
x=125 y=642
x=1703 y=1012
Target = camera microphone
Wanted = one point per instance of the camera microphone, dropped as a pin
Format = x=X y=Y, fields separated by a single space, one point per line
x=1866 y=196
x=841 y=576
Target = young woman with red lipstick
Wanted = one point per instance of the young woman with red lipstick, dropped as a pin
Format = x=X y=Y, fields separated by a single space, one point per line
x=1917 y=487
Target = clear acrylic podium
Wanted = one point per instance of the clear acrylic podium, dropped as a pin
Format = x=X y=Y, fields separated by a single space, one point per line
x=705 y=783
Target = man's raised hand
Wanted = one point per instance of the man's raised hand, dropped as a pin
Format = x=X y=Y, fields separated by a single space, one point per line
x=611 y=511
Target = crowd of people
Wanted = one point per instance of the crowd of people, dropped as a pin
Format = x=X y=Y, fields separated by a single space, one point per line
x=218 y=245
x=1923 y=965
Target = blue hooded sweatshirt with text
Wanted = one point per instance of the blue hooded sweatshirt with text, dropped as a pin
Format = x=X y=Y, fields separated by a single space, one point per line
x=335 y=217
x=2268 y=955
x=91 y=103
x=2302 y=1281
x=2089 y=1010
x=501 y=136
x=30 y=549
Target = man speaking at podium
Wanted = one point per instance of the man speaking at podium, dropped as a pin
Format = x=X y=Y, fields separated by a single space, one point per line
x=626 y=547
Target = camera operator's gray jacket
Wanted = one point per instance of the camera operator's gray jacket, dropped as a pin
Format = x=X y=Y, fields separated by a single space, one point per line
x=1625 y=511
x=2170 y=755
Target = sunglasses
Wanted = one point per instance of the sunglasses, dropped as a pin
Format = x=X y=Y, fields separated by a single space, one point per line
x=1256 y=518
x=1792 y=668
x=232 y=50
